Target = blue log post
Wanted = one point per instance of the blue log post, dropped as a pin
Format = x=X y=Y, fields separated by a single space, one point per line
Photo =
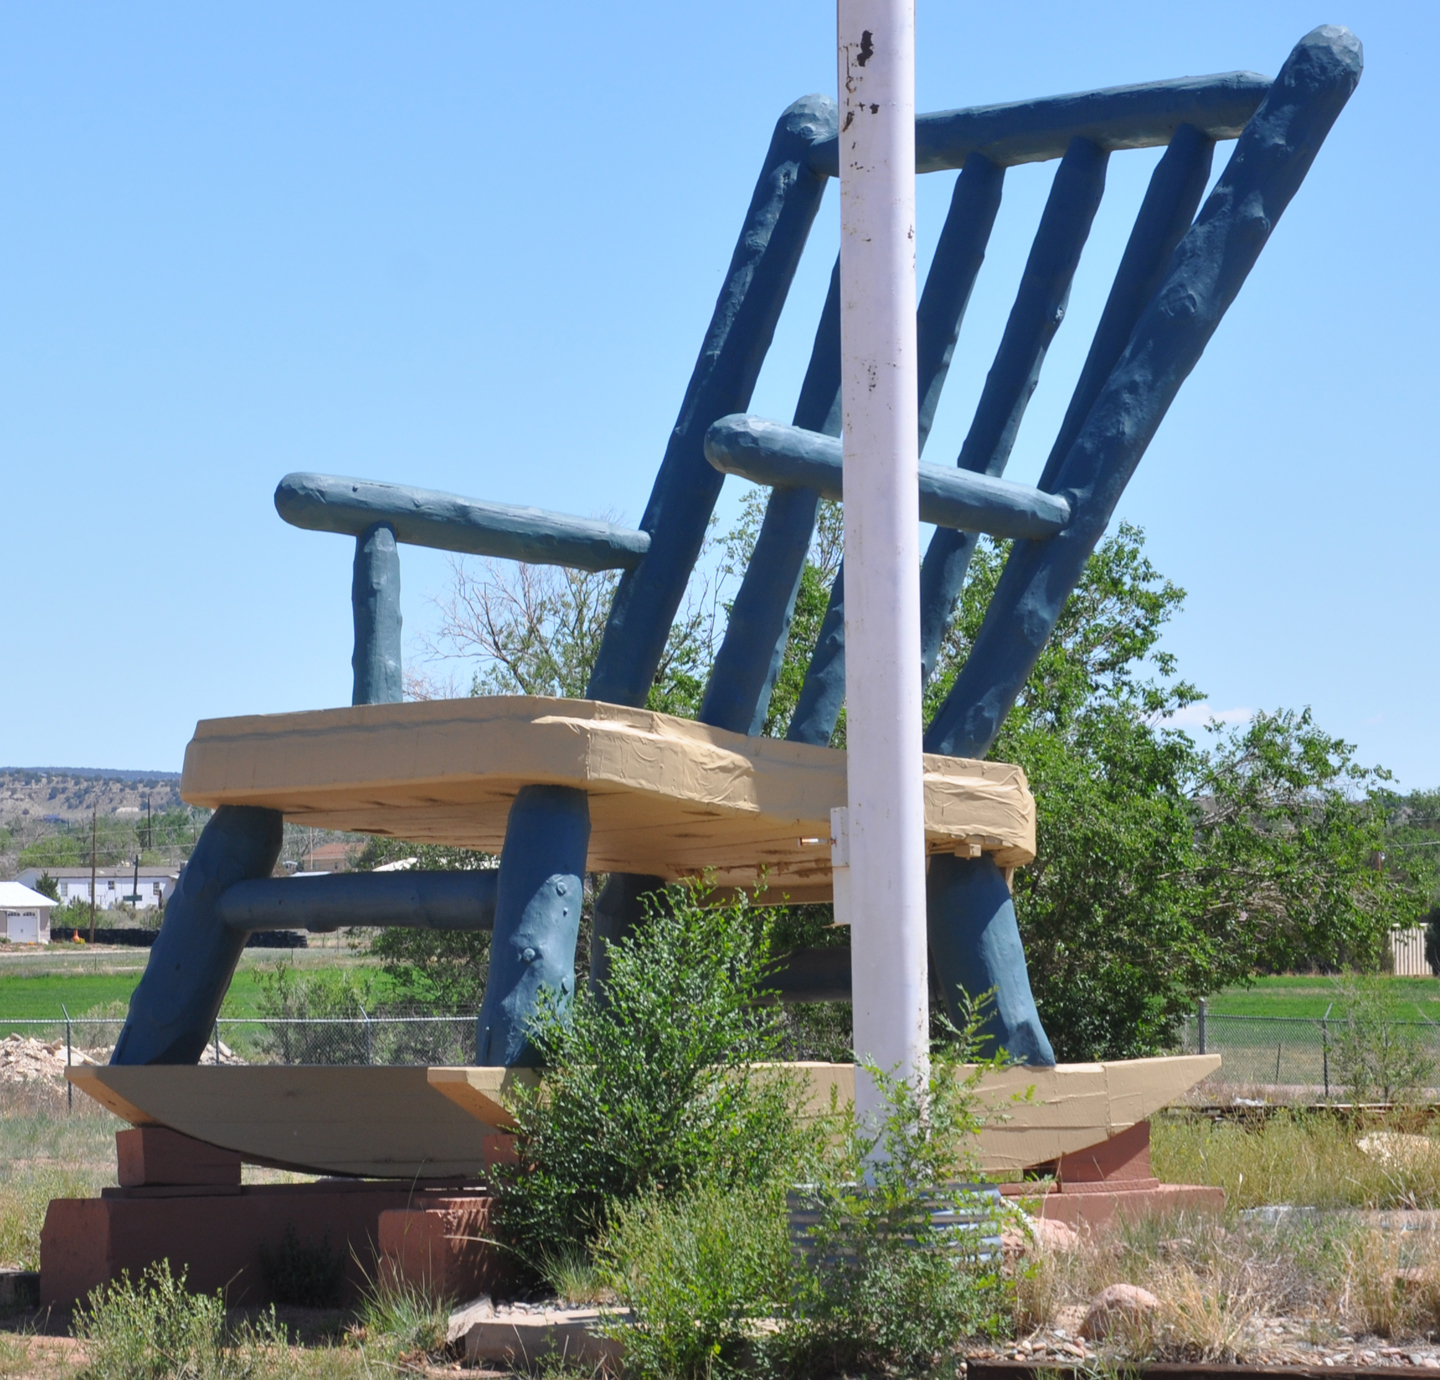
x=1169 y=207
x=777 y=224
x=375 y=603
x=173 y=1010
x=620 y=909
x=1142 y=116
x=975 y=948
x=737 y=696
x=446 y=522
x=1204 y=275
x=1034 y=319
x=537 y=918
x=786 y=199
x=401 y=900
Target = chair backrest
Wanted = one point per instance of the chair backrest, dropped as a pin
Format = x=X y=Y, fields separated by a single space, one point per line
x=1178 y=276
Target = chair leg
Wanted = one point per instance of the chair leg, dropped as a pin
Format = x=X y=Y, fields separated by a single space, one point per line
x=619 y=911
x=975 y=947
x=173 y=1010
x=537 y=918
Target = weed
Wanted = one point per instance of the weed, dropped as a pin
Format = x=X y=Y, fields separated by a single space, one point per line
x=1294 y=1157
x=399 y=1318
x=696 y=1272
x=305 y=1275
x=154 y=1329
x=574 y=1277
x=1379 y=1054
x=882 y=1287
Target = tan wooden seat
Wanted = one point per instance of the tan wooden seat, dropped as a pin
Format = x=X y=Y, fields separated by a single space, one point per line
x=669 y=797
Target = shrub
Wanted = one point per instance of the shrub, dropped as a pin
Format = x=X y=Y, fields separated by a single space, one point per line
x=883 y=1288
x=695 y=1271
x=652 y=1090
x=306 y=1275
x=1379 y=1055
x=153 y=1329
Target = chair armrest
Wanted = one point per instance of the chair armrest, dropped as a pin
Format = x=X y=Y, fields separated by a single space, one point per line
x=425 y=517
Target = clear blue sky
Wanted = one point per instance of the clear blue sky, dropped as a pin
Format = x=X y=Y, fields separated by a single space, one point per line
x=474 y=247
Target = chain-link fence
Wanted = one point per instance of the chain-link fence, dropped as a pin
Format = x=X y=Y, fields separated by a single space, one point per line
x=1302 y=1055
x=383 y=1039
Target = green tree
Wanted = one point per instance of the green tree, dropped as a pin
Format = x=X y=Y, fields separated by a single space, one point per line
x=1169 y=864
x=1166 y=869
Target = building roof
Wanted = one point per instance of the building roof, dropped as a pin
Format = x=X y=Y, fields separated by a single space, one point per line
x=106 y=872
x=13 y=896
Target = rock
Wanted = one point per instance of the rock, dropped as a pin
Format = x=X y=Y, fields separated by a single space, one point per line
x=1396 y=1150
x=1038 y=1234
x=462 y=1319
x=24 y=1059
x=1118 y=1306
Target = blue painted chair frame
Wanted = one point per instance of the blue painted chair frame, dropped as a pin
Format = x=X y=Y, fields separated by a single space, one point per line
x=1178 y=276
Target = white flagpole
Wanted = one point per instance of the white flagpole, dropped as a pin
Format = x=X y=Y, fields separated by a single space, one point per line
x=886 y=823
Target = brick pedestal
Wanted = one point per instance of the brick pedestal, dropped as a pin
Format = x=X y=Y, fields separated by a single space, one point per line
x=217 y=1233
x=442 y=1247
x=1113 y=1181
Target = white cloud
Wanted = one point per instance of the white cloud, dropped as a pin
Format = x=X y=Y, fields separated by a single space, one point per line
x=1198 y=715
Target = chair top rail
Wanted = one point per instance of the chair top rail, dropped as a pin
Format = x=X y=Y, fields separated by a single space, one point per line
x=1145 y=115
x=424 y=517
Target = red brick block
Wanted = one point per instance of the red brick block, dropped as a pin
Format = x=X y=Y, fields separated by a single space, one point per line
x=156 y=1155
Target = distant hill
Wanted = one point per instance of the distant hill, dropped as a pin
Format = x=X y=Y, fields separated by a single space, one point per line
x=69 y=794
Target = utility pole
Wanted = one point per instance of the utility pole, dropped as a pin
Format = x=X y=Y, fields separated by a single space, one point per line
x=886 y=810
x=94 y=810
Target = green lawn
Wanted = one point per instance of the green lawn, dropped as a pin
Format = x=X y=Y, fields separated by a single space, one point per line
x=37 y=988
x=1309 y=996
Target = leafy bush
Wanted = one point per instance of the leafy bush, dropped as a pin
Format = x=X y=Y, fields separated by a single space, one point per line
x=695 y=1271
x=652 y=1090
x=153 y=1329
x=306 y=1275
x=288 y=995
x=1167 y=867
x=1378 y=1055
x=883 y=1288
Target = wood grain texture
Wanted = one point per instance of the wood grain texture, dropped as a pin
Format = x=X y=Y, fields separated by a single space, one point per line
x=432 y=1123
x=377 y=1122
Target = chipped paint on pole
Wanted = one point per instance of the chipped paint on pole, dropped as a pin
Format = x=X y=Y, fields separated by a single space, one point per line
x=882 y=536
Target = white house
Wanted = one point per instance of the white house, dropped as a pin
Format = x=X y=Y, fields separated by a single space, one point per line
x=26 y=912
x=113 y=885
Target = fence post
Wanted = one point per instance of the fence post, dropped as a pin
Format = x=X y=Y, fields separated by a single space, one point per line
x=1325 y=1046
x=69 y=1086
x=217 y=1042
x=369 y=1046
x=1200 y=1025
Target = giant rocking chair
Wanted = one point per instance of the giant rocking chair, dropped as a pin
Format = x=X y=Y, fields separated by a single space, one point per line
x=561 y=787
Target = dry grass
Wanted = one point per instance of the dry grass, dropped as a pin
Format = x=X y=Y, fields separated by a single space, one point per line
x=47 y=1151
x=1299 y=1158
x=1244 y=1290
